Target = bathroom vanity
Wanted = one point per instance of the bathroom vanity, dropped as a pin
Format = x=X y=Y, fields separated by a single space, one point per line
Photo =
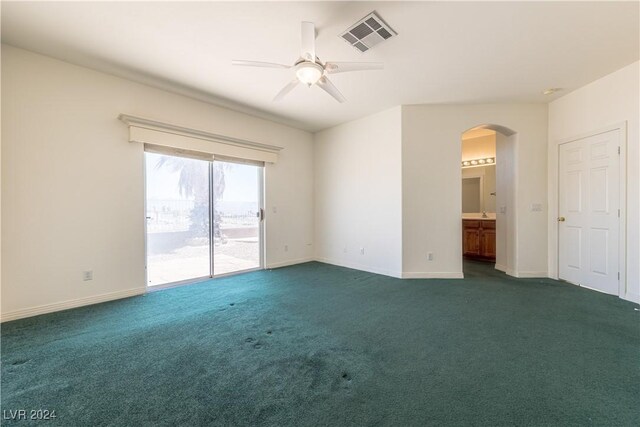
x=479 y=238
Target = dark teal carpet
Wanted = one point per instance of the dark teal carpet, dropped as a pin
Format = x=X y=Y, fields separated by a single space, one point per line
x=315 y=344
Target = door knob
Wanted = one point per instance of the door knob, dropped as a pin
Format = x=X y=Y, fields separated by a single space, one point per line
x=561 y=219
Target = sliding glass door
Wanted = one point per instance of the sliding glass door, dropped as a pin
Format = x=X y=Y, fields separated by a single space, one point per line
x=178 y=238
x=236 y=221
x=203 y=218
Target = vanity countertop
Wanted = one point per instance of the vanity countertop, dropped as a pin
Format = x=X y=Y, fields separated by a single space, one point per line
x=491 y=216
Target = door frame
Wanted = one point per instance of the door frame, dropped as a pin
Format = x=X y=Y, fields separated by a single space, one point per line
x=622 y=202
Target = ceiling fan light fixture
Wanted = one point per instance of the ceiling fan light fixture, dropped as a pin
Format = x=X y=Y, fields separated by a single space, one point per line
x=309 y=73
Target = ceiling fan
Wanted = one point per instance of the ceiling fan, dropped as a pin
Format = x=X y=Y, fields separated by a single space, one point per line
x=310 y=70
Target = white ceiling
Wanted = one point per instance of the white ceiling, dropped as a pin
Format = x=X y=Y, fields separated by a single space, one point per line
x=445 y=52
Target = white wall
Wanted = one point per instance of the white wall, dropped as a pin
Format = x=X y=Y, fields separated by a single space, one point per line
x=358 y=194
x=72 y=186
x=611 y=100
x=431 y=180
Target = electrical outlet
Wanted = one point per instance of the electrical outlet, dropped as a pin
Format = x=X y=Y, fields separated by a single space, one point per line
x=503 y=209
x=344 y=249
x=275 y=210
x=87 y=275
x=286 y=248
x=361 y=251
x=536 y=207
x=429 y=256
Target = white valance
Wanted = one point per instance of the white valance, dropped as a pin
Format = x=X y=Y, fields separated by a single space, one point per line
x=182 y=139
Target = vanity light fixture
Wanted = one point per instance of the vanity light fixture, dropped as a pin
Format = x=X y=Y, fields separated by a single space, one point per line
x=479 y=162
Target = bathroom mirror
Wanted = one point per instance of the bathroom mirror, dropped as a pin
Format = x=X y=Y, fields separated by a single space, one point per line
x=479 y=189
x=472 y=195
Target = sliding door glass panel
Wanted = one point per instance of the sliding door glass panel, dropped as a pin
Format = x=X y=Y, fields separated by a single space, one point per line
x=178 y=212
x=236 y=223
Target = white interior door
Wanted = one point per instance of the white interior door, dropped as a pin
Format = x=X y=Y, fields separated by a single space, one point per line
x=589 y=221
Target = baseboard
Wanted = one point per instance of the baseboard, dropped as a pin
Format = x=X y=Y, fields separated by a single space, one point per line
x=530 y=274
x=396 y=274
x=432 y=275
x=501 y=268
x=361 y=267
x=289 y=262
x=630 y=296
x=65 y=305
x=508 y=271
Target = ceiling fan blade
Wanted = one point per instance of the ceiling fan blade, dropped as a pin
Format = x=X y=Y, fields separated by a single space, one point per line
x=285 y=90
x=308 y=41
x=326 y=85
x=258 y=64
x=343 y=67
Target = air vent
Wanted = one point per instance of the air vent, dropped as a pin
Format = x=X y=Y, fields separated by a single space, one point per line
x=368 y=32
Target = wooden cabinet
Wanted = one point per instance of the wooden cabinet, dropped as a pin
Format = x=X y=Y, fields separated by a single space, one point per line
x=471 y=237
x=479 y=239
x=488 y=243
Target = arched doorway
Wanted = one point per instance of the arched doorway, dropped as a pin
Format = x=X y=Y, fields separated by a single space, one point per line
x=489 y=193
